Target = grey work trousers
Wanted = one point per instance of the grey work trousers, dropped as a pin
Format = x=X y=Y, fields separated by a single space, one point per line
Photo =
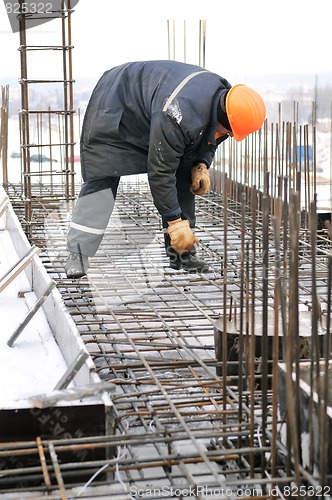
x=95 y=205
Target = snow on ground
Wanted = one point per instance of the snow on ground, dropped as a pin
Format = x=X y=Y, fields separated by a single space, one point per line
x=34 y=364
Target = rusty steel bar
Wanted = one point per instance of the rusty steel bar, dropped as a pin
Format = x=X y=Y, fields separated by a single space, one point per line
x=30 y=118
x=4 y=132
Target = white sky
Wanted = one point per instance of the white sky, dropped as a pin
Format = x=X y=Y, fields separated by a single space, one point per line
x=243 y=37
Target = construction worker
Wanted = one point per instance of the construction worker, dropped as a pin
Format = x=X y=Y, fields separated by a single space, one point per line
x=166 y=119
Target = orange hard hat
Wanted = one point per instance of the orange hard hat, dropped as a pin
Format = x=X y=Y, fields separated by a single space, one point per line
x=245 y=111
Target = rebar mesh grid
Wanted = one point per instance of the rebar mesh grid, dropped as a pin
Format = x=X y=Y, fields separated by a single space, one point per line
x=179 y=424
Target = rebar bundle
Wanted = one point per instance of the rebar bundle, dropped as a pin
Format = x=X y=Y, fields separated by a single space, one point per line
x=207 y=366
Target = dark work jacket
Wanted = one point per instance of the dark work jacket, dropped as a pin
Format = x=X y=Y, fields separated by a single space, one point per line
x=136 y=123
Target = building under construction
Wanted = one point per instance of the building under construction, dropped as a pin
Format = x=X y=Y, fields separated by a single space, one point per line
x=175 y=384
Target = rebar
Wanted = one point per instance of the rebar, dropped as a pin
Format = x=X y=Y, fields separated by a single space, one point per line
x=36 y=126
x=150 y=331
x=4 y=132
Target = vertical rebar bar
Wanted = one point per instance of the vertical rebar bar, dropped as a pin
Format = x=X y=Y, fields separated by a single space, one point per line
x=25 y=151
x=225 y=298
x=265 y=323
x=4 y=132
x=292 y=335
x=252 y=347
x=71 y=108
x=326 y=363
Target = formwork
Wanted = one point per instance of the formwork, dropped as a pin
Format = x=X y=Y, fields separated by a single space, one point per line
x=49 y=385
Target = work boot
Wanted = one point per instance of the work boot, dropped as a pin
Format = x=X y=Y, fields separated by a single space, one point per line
x=188 y=261
x=77 y=265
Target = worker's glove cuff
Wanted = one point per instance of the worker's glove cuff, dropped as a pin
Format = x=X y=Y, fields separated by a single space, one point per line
x=200 y=179
x=182 y=237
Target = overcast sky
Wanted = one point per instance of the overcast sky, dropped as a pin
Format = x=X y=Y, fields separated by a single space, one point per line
x=243 y=37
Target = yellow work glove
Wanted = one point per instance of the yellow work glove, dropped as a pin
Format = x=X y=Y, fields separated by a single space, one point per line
x=200 y=179
x=182 y=237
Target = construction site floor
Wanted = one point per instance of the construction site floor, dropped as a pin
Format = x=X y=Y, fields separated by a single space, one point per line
x=178 y=429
